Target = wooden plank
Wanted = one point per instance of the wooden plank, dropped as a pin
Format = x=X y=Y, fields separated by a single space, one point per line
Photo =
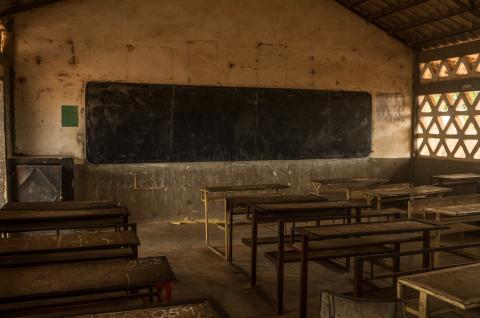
x=257 y=199
x=247 y=187
x=269 y=207
x=402 y=191
x=66 y=242
x=49 y=225
x=59 y=205
x=458 y=177
x=363 y=229
x=456 y=210
x=350 y=182
x=34 y=215
x=457 y=286
x=52 y=280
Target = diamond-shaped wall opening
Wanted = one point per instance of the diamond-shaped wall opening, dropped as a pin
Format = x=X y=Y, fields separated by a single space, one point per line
x=418 y=129
x=425 y=121
x=433 y=143
x=441 y=152
x=426 y=74
x=426 y=108
x=424 y=151
x=420 y=99
x=443 y=121
x=460 y=153
x=451 y=130
x=461 y=104
x=462 y=69
x=434 y=129
x=461 y=120
x=451 y=143
x=470 y=144
x=444 y=71
x=442 y=106
x=435 y=98
x=471 y=130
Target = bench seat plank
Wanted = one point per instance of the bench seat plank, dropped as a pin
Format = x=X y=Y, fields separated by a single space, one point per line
x=59 y=205
x=63 y=280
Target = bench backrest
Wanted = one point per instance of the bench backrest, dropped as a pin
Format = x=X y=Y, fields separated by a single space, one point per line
x=336 y=306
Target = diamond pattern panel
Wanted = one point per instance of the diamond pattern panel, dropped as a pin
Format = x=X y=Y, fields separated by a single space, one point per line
x=449 y=124
x=454 y=68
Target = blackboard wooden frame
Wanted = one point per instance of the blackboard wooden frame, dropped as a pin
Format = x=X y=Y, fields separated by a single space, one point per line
x=150 y=123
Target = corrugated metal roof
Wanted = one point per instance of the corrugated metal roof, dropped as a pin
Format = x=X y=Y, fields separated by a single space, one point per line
x=424 y=24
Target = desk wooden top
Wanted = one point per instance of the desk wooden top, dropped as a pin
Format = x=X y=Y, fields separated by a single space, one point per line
x=65 y=278
x=407 y=191
x=457 y=285
x=456 y=210
x=458 y=177
x=59 y=205
x=364 y=229
x=77 y=241
x=257 y=199
x=205 y=308
x=34 y=215
x=350 y=183
x=49 y=225
x=246 y=187
x=310 y=206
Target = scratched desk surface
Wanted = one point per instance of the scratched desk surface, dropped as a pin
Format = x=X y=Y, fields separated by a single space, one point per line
x=32 y=215
x=256 y=199
x=25 y=282
x=457 y=285
x=299 y=206
x=187 y=309
x=44 y=243
x=355 y=182
x=406 y=191
x=59 y=205
x=247 y=187
x=457 y=210
x=363 y=229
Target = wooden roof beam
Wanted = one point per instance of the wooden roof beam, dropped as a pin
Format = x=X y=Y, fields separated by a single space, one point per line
x=430 y=19
x=392 y=10
x=442 y=36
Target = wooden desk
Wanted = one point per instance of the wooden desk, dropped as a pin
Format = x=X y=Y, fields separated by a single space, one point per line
x=59 y=205
x=346 y=185
x=216 y=193
x=193 y=308
x=457 y=179
x=457 y=286
x=238 y=202
x=48 y=219
x=403 y=193
x=355 y=230
x=294 y=212
x=41 y=249
x=60 y=281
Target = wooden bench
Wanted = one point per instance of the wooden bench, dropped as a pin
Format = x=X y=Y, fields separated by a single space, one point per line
x=38 y=249
x=67 y=284
x=58 y=205
x=36 y=220
x=189 y=308
x=344 y=248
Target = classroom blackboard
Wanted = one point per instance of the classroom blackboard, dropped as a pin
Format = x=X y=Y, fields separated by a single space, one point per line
x=140 y=123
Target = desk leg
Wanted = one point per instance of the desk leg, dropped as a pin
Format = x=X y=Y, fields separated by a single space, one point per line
x=426 y=245
x=225 y=230
x=280 y=266
x=437 y=239
x=423 y=305
x=230 y=234
x=304 y=277
x=253 y=261
x=358 y=215
x=205 y=206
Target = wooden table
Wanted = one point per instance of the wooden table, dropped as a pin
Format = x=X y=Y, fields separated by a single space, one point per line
x=346 y=185
x=294 y=212
x=42 y=249
x=233 y=203
x=59 y=205
x=457 y=286
x=457 y=179
x=355 y=230
x=37 y=220
x=192 y=308
x=47 y=282
x=403 y=193
x=215 y=193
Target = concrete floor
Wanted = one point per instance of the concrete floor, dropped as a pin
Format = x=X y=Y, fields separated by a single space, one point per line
x=201 y=273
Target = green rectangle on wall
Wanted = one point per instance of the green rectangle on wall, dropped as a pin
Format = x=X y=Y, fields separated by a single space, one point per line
x=69 y=116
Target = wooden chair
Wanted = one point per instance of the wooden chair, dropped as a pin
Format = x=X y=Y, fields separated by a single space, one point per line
x=336 y=306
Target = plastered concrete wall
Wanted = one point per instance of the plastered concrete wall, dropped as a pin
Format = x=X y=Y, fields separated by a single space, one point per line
x=315 y=44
